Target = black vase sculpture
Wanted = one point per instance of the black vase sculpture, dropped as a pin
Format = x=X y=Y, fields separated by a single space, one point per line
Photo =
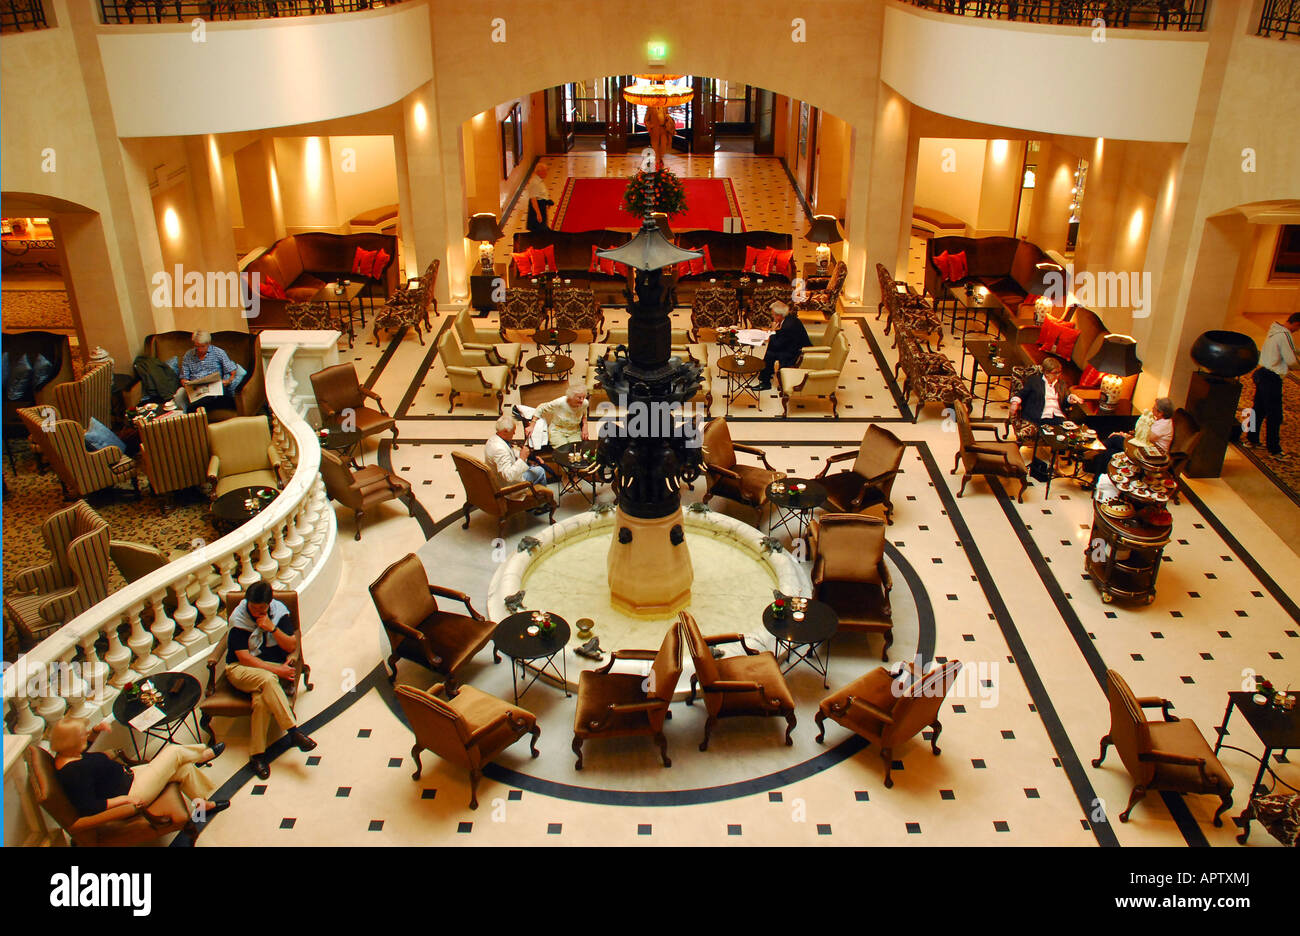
x=1225 y=354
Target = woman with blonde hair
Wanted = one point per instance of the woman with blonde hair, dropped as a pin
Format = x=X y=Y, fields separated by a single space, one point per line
x=95 y=782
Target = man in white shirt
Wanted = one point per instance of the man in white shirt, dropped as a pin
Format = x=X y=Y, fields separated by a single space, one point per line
x=1276 y=357
x=538 y=200
x=507 y=465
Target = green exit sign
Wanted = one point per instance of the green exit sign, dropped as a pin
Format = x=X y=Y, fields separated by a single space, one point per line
x=657 y=51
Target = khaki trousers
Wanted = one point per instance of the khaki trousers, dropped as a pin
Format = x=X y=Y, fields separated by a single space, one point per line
x=269 y=701
x=174 y=763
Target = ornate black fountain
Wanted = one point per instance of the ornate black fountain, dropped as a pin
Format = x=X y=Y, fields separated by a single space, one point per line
x=652 y=445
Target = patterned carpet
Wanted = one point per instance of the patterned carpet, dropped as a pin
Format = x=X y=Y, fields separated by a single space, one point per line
x=46 y=309
x=1285 y=473
x=32 y=497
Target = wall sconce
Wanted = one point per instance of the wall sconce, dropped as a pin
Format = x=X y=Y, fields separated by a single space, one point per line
x=171 y=223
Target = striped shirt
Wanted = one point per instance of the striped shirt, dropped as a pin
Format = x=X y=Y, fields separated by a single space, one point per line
x=215 y=361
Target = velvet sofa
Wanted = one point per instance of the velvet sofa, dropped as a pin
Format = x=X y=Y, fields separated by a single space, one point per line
x=727 y=253
x=244 y=349
x=303 y=263
x=573 y=260
x=1006 y=266
x=1091 y=332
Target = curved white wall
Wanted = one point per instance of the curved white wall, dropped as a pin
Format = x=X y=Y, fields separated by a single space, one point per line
x=1133 y=86
x=263 y=73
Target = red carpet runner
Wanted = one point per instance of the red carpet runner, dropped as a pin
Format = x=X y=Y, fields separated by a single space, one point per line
x=596 y=204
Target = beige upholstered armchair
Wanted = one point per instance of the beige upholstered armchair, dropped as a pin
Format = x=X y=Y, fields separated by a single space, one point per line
x=467 y=377
x=174 y=453
x=887 y=710
x=469 y=729
x=823 y=336
x=816 y=377
x=62 y=442
x=1160 y=755
x=91 y=396
x=242 y=455
x=473 y=338
x=45 y=597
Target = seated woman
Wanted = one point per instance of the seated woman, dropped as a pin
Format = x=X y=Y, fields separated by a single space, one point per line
x=1161 y=435
x=95 y=782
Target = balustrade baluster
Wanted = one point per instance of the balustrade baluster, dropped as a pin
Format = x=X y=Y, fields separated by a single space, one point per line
x=141 y=643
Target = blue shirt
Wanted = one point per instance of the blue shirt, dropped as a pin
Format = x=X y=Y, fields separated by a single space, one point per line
x=215 y=361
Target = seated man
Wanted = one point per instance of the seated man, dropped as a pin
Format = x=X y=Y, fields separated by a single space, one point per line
x=262 y=635
x=565 y=418
x=1039 y=400
x=95 y=782
x=1161 y=435
x=786 y=344
x=507 y=466
x=203 y=360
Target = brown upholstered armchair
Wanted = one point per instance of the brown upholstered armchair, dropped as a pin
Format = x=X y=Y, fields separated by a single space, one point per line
x=522 y=310
x=469 y=729
x=1187 y=436
x=220 y=698
x=741 y=685
x=888 y=710
x=870 y=480
x=1160 y=755
x=342 y=398
x=481 y=491
x=714 y=307
x=121 y=825
x=362 y=489
x=744 y=484
x=850 y=575
x=989 y=459
x=418 y=629
x=621 y=705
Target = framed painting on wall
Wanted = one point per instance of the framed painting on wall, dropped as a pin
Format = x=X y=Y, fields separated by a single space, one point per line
x=512 y=140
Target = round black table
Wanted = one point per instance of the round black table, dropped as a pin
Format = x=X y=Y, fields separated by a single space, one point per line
x=815 y=631
x=512 y=638
x=577 y=465
x=235 y=508
x=341 y=442
x=181 y=693
x=554 y=340
x=791 y=503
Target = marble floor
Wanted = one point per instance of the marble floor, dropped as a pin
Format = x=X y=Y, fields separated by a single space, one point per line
x=981 y=579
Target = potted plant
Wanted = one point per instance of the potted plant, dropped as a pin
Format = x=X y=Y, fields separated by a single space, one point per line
x=650 y=192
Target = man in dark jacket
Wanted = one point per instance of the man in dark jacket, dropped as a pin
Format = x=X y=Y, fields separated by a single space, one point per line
x=786 y=344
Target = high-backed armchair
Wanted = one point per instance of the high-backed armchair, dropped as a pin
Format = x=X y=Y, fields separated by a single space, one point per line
x=481 y=491
x=741 y=685
x=122 y=825
x=469 y=729
x=849 y=573
x=244 y=349
x=220 y=698
x=63 y=444
x=823 y=336
x=621 y=705
x=87 y=398
x=405 y=308
x=714 y=307
x=362 y=489
x=473 y=338
x=870 y=480
x=1187 y=436
x=174 y=452
x=342 y=401
x=576 y=308
x=242 y=455
x=522 y=309
x=467 y=377
x=825 y=301
x=887 y=710
x=759 y=313
x=43 y=598
x=1160 y=755
x=745 y=484
x=816 y=377
x=991 y=458
x=136 y=560
x=418 y=630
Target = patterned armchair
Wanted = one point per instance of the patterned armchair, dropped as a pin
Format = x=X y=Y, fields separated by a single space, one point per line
x=714 y=307
x=91 y=396
x=313 y=316
x=929 y=375
x=174 y=452
x=522 y=310
x=576 y=308
x=43 y=598
x=760 y=305
x=63 y=443
x=408 y=308
x=1025 y=431
x=826 y=301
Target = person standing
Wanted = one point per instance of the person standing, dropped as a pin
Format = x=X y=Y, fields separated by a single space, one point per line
x=539 y=200
x=785 y=346
x=661 y=127
x=1276 y=357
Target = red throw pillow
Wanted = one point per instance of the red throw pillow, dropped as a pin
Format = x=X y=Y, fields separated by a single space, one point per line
x=957 y=266
x=363 y=260
x=543 y=260
x=751 y=260
x=382 y=257
x=708 y=261
x=763 y=265
x=524 y=262
x=1047 y=333
x=941 y=263
x=783 y=263
x=1091 y=378
x=268 y=288
x=1057 y=337
x=1065 y=341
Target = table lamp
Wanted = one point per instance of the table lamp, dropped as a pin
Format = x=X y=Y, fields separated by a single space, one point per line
x=1116 y=359
x=483 y=228
x=823 y=232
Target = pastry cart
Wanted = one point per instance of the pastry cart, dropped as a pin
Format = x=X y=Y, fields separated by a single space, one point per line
x=1131 y=526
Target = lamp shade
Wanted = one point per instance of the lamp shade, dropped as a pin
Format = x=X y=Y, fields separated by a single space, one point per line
x=484 y=227
x=824 y=230
x=1048 y=280
x=1117 y=355
x=649 y=250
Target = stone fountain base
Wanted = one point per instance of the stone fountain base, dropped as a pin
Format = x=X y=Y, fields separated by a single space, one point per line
x=649 y=574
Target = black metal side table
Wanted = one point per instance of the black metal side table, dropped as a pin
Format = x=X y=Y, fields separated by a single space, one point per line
x=793 y=501
x=513 y=638
x=818 y=625
x=1278 y=729
x=180 y=694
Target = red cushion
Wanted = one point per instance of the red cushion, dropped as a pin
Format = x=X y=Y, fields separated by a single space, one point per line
x=1057 y=337
x=363 y=261
x=943 y=263
x=783 y=262
x=1091 y=378
x=595 y=261
x=544 y=259
x=524 y=262
x=382 y=257
x=957 y=266
x=763 y=265
x=268 y=288
x=751 y=259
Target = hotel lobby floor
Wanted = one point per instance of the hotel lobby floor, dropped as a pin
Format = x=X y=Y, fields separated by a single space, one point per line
x=992 y=583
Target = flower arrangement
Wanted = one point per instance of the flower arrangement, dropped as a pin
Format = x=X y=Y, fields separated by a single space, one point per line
x=648 y=192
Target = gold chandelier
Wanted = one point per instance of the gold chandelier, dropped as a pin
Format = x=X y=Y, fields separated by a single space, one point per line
x=653 y=91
